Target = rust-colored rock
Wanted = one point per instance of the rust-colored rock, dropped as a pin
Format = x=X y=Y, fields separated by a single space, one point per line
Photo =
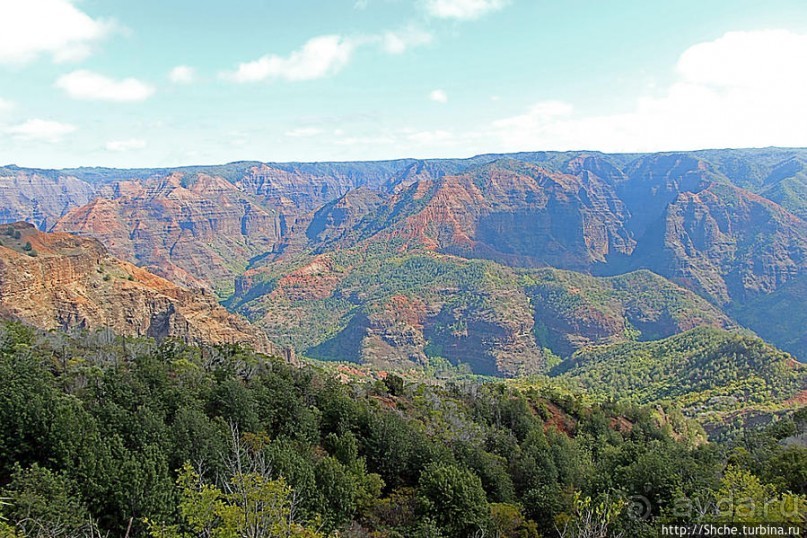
x=199 y=231
x=61 y=281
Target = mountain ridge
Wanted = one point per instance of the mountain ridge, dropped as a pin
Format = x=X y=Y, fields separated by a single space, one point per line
x=61 y=281
x=724 y=223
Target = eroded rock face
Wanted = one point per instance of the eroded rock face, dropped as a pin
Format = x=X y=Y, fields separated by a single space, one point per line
x=197 y=231
x=689 y=216
x=508 y=211
x=675 y=214
x=725 y=243
x=63 y=281
x=40 y=197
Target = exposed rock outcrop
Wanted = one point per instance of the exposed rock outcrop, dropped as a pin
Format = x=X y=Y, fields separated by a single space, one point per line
x=40 y=197
x=63 y=281
x=197 y=231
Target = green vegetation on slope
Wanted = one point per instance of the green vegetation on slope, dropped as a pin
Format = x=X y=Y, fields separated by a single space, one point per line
x=398 y=310
x=700 y=370
x=101 y=433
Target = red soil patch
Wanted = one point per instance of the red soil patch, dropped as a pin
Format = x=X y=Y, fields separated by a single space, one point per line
x=559 y=420
x=798 y=399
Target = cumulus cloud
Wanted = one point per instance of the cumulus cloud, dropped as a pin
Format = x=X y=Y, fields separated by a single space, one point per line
x=319 y=57
x=744 y=89
x=30 y=28
x=125 y=145
x=439 y=96
x=325 y=55
x=89 y=86
x=462 y=9
x=182 y=74
x=399 y=41
x=40 y=130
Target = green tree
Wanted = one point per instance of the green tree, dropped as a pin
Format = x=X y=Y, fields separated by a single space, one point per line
x=337 y=492
x=743 y=498
x=454 y=499
x=509 y=522
x=253 y=507
x=394 y=384
x=789 y=468
x=44 y=504
x=590 y=518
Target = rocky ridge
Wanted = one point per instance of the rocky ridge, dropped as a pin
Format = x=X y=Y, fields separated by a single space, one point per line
x=60 y=281
x=727 y=224
x=417 y=309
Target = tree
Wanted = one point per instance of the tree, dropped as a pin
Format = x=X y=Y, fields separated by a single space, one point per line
x=742 y=498
x=509 y=522
x=454 y=499
x=590 y=519
x=394 y=384
x=789 y=467
x=256 y=507
x=43 y=504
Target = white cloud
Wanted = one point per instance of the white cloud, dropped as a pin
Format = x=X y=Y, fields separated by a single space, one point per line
x=462 y=9
x=744 y=89
x=125 y=145
x=304 y=132
x=319 y=57
x=326 y=55
x=746 y=60
x=5 y=104
x=397 y=42
x=30 y=28
x=182 y=74
x=40 y=130
x=89 y=86
x=439 y=96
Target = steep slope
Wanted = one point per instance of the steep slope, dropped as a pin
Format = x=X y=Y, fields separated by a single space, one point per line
x=675 y=214
x=709 y=220
x=394 y=311
x=725 y=243
x=62 y=281
x=508 y=211
x=672 y=213
x=397 y=310
x=787 y=185
x=775 y=173
x=780 y=316
x=695 y=369
x=573 y=310
x=39 y=197
x=199 y=231
x=200 y=226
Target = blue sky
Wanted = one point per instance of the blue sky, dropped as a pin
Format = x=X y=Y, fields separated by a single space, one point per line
x=156 y=83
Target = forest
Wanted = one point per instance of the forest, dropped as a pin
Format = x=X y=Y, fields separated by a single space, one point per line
x=108 y=436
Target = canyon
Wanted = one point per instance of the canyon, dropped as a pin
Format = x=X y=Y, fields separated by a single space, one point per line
x=289 y=245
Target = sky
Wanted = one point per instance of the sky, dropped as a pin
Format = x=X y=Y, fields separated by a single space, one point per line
x=153 y=83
